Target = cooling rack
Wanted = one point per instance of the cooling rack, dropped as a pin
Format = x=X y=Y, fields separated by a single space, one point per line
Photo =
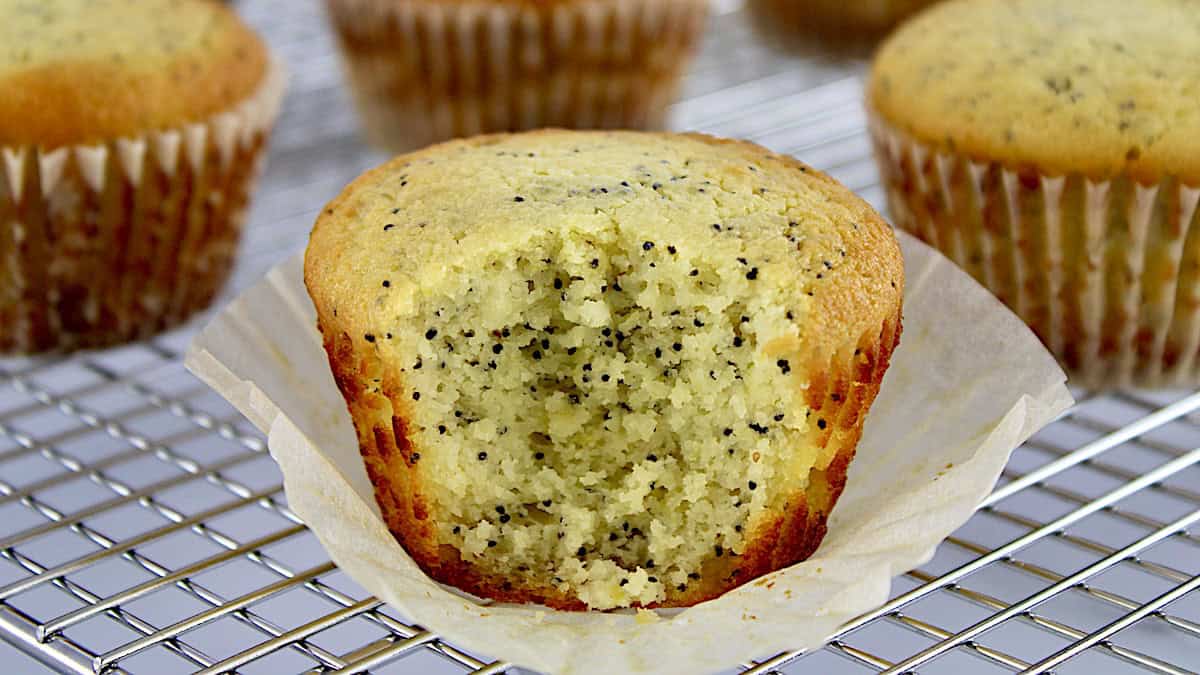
x=143 y=527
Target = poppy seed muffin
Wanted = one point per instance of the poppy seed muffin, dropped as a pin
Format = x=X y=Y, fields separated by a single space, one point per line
x=161 y=63
x=130 y=137
x=598 y=370
x=1052 y=149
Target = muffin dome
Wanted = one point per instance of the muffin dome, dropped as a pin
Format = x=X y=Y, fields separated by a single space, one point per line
x=1095 y=87
x=97 y=69
x=604 y=369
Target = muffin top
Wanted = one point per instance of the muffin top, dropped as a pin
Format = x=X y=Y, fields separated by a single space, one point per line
x=606 y=355
x=93 y=70
x=1097 y=87
x=794 y=234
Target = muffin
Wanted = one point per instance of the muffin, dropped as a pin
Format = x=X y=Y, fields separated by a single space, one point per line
x=130 y=135
x=599 y=370
x=1052 y=149
x=423 y=71
x=853 y=23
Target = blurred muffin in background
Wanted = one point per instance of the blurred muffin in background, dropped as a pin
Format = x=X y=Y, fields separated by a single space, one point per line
x=830 y=24
x=130 y=135
x=1052 y=149
x=423 y=71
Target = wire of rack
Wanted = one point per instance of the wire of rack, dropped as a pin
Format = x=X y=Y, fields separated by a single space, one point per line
x=144 y=528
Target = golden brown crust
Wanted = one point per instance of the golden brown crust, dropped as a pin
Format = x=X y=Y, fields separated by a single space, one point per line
x=853 y=332
x=108 y=96
x=795 y=534
x=867 y=287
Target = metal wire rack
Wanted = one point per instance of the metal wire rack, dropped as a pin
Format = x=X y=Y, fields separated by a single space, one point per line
x=143 y=527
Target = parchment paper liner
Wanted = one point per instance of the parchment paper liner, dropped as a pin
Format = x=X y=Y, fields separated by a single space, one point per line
x=144 y=228
x=968 y=383
x=423 y=71
x=1107 y=273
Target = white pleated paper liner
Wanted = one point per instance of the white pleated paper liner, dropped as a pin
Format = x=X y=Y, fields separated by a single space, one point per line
x=1107 y=272
x=423 y=71
x=117 y=240
x=968 y=384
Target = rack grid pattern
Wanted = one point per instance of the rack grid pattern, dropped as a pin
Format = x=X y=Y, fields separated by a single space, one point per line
x=143 y=526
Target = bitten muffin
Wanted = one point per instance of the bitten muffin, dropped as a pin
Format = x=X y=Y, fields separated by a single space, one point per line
x=850 y=23
x=598 y=370
x=423 y=71
x=1052 y=149
x=130 y=133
